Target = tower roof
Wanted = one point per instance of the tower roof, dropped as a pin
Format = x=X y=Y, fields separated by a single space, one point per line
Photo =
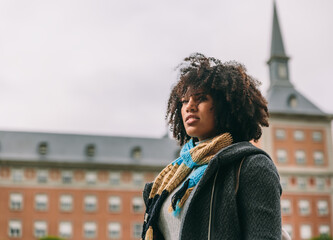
x=277 y=47
x=282 y=96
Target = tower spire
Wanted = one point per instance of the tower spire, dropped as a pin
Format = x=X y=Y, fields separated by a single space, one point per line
x=277 y=48
x=278 y=61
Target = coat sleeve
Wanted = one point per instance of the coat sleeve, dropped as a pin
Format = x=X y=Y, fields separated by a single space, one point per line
x=259 y=199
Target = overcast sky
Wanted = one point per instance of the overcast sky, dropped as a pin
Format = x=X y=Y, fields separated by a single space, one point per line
x=107 y=67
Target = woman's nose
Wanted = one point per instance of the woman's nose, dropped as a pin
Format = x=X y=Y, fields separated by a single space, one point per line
x=191 y=106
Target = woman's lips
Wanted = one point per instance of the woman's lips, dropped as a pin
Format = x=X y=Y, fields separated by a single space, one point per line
x=191 y=119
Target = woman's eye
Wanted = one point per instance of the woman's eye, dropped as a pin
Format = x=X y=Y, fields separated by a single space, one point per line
x=184 y=101
x=202 y=98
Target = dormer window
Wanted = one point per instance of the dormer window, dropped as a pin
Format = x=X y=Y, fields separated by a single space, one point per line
x=292 y=101
x=90 y=150
x=136 y=153
x=42 y=148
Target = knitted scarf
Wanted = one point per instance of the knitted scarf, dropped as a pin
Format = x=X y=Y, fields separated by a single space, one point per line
x=191 y=165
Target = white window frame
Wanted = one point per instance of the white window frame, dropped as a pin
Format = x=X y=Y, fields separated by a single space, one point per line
x=16 y=201
x=317 y=136
x=40 y=229
x=114 y=230
x=114 y=178
x=286 y=206
x=42 y=176
x=302 y=183
x=304 y=207
x=41 y=202
x=17 y=175
x=318 y=157
x=67 y=177
x=284 y=181
x=320 y=183
x=300 y=157
x=137 y=204
x=282 y=156
x=288 y=228
x=66 y=202
x=299 y=135
x=91 y=177
x=90 y=230
x=322 y=208
x=90 y=203
x=137 y=228
x=65 y=229
x=15 y=225
x=305 y=231
x=114 y=204
x=280 y=134
x=138 y=179
x=324 y=229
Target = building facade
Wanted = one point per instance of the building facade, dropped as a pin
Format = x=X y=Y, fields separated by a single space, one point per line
x=299 y=140
x=76 y=186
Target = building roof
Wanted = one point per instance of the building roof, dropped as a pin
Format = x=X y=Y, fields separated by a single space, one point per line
x=74 y=148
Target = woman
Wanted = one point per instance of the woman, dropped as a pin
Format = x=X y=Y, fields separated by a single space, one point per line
x=221 y=186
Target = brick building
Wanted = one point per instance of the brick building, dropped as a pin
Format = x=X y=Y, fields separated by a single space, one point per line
x=76 y=186
x=299 y=140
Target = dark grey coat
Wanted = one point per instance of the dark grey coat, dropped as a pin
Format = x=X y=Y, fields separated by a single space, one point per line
x=253 y=213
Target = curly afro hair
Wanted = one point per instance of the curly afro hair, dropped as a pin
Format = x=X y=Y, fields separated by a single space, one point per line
x=239 y=105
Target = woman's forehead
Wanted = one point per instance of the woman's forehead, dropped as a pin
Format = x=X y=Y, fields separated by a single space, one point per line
x=190 y=91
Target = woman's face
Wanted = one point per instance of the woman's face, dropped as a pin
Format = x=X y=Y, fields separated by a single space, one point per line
x=198 y=115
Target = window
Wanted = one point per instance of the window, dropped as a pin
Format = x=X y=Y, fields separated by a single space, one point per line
x=317 y=136
x=90 y=150
x=289 y=229
x=17 y=175
x=285 y=206
x=280 y=134
x=282 y=70
x=42 y=176
x=300 y=157
x=322 y=207
x=114 y=230
x=136 y=153
x=284 y=182
x=115 y=178
x=318 y=157
x=66 y=203
x=90 y=203
x=65 y=229
x=292 y=101
x=40 y=229
x=67 y=176
x=304 y=207
x=137 y=179
x=281 y=156
x=320 y=183
x=16 y=201
x=89 y=229
x=299 y=135
x=137 y=204
x=306 y=232
x=114 y=204
x=42 y=148
x=137 y=227
x=91 y=177
x=324 y=230
x=15 y=228
x=41 y=202
x=301 y=183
